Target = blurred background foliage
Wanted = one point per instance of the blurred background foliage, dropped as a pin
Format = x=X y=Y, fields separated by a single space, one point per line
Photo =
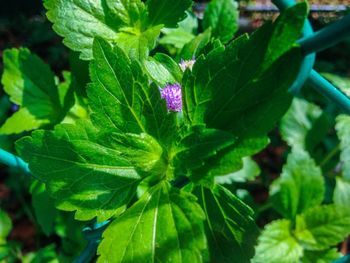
x=23 y=24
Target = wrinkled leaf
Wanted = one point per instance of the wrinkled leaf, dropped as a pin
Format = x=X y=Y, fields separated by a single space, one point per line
x=276 y=244
x=324 y=226
x=230 y=228
x=301 y=185
x=165 y=225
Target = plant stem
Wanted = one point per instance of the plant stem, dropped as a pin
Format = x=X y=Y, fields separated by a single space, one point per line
x=330 y=155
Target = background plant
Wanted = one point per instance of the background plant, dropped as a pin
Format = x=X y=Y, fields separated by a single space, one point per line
x=108 y=147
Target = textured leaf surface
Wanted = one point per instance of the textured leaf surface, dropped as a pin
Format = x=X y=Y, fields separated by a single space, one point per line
x=79 y=21
x=249 y=171
x=323 y=226
x=301 y=185
x=230 y=228
x=30 y=83
x=121 y=98
x=222 y=17
x=229 y=160
x=165 y=12
x=81 y=169
x=277 y=244
x=120 y=21
x=298 y=121
x=163 y=70
x=286 y=31
x=165 y=225
x=244 y=102
x=197 y=144
x=343 y=131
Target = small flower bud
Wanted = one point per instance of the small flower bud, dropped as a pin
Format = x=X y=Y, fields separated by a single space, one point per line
x=185 y=64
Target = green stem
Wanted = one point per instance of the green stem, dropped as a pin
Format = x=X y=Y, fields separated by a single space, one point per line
x=330 y=155
x=265 y=207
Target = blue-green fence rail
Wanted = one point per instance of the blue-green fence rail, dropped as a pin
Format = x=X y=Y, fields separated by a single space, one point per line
x=311 y=42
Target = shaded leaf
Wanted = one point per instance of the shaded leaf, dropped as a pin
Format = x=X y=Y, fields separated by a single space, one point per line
x=321 y=256
x=230 y=228
x=165 y=225
x=44 y=207
x=165 y=12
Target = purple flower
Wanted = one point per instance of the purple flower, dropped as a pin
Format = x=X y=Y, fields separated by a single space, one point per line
x=173 y=97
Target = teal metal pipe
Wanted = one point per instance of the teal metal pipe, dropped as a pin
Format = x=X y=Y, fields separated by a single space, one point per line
x=323 y=86
x=326 y=37
x=13 y=161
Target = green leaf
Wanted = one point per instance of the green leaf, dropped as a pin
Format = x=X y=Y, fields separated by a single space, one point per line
x=5 y=225
x=21 y=121
x=276 y=244
x=44 y=207
x=286 y=31
x=66 y=91
x=245 y=103
x=117 y=21
x=341 y=195
x=137 y=43
x=121 y=98
x=165 y=225
x=234 y=84
x=193 y=48
x=30 y=83
x=82 y=169
x=197 y=144
x=79 y=21
x=230 y=228
x=229 y=160
x=222 y=17
x=298 y=121
x=165 y=12
x=301 y=185
x=341 y=82
x=177 y=38
x=325 y=256
x=324 y=226
x=143 y=151
x=126 y=12
x=249 y=171
x=343 y=132
x=163 y=70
